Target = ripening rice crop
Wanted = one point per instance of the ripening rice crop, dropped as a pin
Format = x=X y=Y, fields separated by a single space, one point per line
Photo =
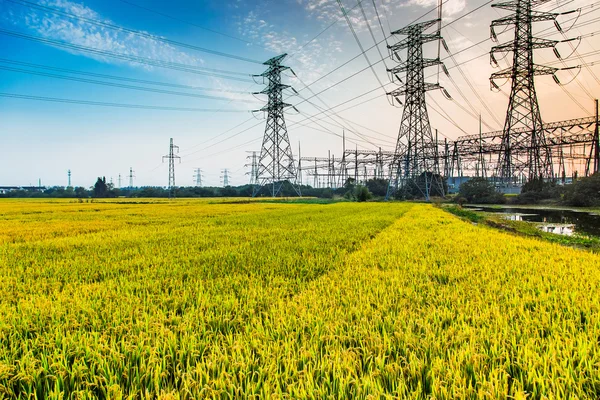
x=191 y=299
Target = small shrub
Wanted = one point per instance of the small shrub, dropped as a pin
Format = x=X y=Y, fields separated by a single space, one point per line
x=362 y=193
x=480 y=190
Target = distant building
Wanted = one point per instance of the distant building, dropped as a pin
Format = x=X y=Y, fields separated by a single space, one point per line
x=454 y=183
x=7 y=189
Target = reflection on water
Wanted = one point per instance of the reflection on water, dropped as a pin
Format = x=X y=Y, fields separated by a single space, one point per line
x=562 y=222
x=558 y=229
x=516 y=217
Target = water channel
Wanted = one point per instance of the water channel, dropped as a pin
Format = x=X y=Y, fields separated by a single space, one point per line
x=559 y=221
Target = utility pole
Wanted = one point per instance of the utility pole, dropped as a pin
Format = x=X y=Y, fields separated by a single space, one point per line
x=276 y=163
x=69 y=175
x=333 y=180
x=596 y=141
x=198 y=177
x=225 y=177
x=379 y=165
x=523 y=108
x=299 y=170
x=356 y=165
x=344 y=170
x=131 y=176
x=446 y=165
x=329 y=168
x=253 y=167
x=415 y=145
x=172 y=157
x=481 y=157
x=316 y=174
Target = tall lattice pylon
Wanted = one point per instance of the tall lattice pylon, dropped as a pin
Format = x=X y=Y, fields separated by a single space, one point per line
x=198 y=177
x=523 y=108
x=172 y=157
x=131 y=176
x=415 y=167
x=225 y=177
x=276 y=162
x=253 y=168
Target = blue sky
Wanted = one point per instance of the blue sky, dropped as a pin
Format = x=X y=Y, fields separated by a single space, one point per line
x=45 y=139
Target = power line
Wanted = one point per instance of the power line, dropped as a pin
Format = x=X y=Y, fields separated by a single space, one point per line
x=117 y=105
x=120 y=85
x=119 y=78
x=364 y=14
x=362 y=50
x=379 y=20
x=360 y=54
x=377 y=62
x=322 y=32
x=126 y=57
x=184 y=21
x=132 y=31
x=371 y=91
x=468 y=81
x=219 y=135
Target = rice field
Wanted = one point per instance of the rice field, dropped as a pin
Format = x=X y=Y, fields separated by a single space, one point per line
x=195 y=299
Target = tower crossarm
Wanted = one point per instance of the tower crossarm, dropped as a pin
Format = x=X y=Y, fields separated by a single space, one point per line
x=537 y=70
x=360 y=152
x=315 y=159
x=536 y=16
x=581 y=124
x=513 y=5
x=403 y=67
x=275 y=106
x=275 y=69
x=420 y=27
x=274 y=61
x=405 y=43
x=536 y=44
x=270 y=88
x=403 y=90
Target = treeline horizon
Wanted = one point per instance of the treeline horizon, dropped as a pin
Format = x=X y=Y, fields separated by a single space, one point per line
x=101 y=189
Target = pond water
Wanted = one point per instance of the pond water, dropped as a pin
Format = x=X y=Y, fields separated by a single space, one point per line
x=562 y=222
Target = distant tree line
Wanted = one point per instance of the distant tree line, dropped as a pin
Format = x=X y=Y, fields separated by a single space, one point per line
x=104 y=189
x=584 y=192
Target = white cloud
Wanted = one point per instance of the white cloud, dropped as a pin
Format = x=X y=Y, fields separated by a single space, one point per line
x=79 y=32
x=449 y=8
x=311 y=60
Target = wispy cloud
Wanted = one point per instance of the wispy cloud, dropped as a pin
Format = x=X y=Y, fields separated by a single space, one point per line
x=449 y=8
x=79 y=32
x=312 y=59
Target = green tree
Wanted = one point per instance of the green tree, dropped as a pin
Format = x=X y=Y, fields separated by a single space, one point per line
x=480 y=190
x=81 y=192
x=100 y=187
x=584 y=192
x=378 y=186
x=362 y=193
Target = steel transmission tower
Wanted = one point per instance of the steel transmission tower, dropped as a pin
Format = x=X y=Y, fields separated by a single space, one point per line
x=198 y=177
x=131 y=176
x=253 y=168
x=225 y=177
x=523 y=108
x=276 y=162
x=69 y=174
x=172 y=157
x=415 y=164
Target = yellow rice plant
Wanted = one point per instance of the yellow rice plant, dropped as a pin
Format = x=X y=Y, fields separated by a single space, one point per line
x=202 y=299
